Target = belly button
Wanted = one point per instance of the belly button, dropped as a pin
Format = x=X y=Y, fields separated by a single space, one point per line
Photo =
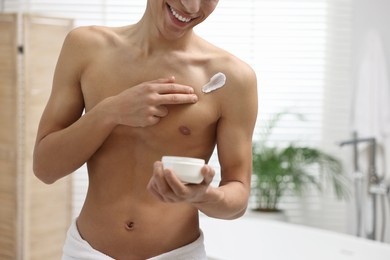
x=129 y=225
x=184 y=130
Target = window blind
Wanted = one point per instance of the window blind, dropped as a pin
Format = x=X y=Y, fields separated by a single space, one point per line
x=337 y=105
x=289 y=43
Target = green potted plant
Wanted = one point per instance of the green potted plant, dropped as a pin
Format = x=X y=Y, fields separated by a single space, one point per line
x=279 y=169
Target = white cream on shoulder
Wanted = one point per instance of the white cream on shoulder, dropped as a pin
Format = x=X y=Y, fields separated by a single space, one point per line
x=217 y=81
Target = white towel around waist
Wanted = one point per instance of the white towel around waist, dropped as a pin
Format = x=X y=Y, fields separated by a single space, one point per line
x=76 y=248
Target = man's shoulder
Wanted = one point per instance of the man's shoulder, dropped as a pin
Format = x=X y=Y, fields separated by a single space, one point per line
x=223 y=60
x=231 y=65
x=93 y=36
x=240 y=76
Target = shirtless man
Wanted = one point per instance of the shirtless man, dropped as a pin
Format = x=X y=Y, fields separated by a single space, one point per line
x=140 y=86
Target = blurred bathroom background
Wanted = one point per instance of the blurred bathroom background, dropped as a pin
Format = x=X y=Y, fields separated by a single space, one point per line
x=328 y=60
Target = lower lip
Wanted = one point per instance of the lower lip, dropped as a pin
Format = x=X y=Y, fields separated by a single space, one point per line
x=175 y=20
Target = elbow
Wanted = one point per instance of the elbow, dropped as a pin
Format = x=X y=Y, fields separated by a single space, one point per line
x=237 y=215
x=45 y=178
x=44 y=165
x=240 y=208
x=228 y=216
x=43 y=175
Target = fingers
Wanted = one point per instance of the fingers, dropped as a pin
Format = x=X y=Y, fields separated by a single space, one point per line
x=155 y=115
x=176 y=99
x=171 y=93
x=165 y=185
x=158 y=185
x=168 y=188
x=151 y=120
x=171 y=79
x=168 y=86
x=159 y=180
x=172 y=88
x=208 y=174
x=179 y=190
x=160 y=111
x=146 y=103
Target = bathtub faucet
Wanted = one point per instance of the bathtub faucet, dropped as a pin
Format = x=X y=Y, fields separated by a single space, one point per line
x=374 y=178
x=375 y=183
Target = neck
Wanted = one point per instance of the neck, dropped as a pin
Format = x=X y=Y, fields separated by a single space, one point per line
x=152 y=40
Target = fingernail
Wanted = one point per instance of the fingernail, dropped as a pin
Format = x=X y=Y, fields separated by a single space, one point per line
x=195 y=98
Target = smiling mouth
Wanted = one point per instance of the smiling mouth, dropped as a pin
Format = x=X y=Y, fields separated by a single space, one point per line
x=178 y=16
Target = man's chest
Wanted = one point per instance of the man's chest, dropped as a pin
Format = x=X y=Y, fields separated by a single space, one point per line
x=111 y=76
x=184 y=123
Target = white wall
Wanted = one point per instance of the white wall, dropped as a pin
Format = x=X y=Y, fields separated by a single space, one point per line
x=373 y=16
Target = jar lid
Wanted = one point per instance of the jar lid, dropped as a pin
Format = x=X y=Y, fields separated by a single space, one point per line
x=180 y=159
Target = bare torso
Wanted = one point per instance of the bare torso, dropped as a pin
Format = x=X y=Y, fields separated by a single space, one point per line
x=120 y=217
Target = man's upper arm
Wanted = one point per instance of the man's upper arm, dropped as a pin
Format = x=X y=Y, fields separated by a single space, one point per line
x=65 y=104
x=235 y=128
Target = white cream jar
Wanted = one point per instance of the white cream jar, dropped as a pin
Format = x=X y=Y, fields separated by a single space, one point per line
x=187 y=169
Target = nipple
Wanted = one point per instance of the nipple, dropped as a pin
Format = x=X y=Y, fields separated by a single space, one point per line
x=184 y=130
x=217 y=81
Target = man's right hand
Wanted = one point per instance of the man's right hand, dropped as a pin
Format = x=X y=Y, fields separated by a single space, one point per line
x=145 y=104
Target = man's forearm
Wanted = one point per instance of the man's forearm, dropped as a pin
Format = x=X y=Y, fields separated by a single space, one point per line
x=228 y=201
x=60 y=153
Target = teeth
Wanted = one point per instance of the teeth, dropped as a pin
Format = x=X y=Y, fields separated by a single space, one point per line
x=179 y=17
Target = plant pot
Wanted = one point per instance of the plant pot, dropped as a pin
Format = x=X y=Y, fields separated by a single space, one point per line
x=278 y=215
